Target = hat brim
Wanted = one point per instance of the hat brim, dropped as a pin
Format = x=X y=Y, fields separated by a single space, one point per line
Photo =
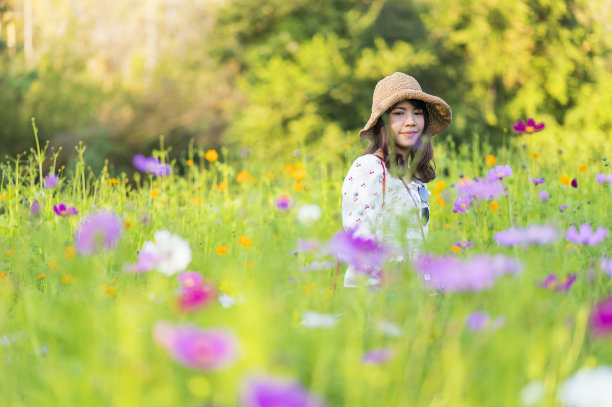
x=440 y=113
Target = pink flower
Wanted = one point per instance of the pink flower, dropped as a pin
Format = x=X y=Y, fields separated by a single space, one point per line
x=543 y=195
x=50 y=181
x=586 y=235
x=606 y=265
x=529 y=128
x=210 y=349
x=195 y=293
x=271 y=391
x=462 y=204
x=63 y=210
x=499 y=172
x=552 y=282
x=377 y=356
x=481 y=188
x=99 y=230
x=604 y=178
x=601 y=318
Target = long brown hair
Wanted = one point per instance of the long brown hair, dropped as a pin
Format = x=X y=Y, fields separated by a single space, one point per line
x=422 y=164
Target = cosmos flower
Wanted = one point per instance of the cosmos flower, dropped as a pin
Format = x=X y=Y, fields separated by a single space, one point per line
x=309 y=214
x=203 y=349
x=537 y=181
x=532 y=234
x=481 y=188
x=35 y=207
x=151 y=165
x=499 y=172
x=194 y=293
x=552 y=282
x=462 y=204
x=267 y=391
x=606 y=265
x=543 y=195
x=477 y=321
x=99 y=230
x=448 y=273
x=603 y=178
x=168 y=254
x=63 y=210
x=529 y=127
x=601 y=318
x=587 y=388
x=365 y=255
x=377 y=356
x=50 y=181
x=283 y=202
x=463 y=245
x=586 y=235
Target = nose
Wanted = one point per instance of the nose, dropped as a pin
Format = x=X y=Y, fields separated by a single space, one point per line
x=409 y=120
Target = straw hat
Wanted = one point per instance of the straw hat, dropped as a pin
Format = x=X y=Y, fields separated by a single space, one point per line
x=399 y=86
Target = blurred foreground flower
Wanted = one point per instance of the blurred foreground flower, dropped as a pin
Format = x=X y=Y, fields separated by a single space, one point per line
x=552 y=282
x=169 y=254
x=63 y=210
x=586 y=235
x=533 y=393
x=313 y=319
x=99 y=230
x=283 y=202
x=377 y=356
x=601 y=318
x=365 y=255
x=210 y=349
x=211 y=155
x=606 y=265
x=532 y=234
x=499 y=172
x=462 y=204
x=543 y=195
x=603 y=178
x=587 y=388
x=35 y=207
x=480 y=320
x=448 y=273
x=481 y=188
x=308 y=214
x=195 y=293
x=150 y=165
x=50 y=181
x=529 y=127
x=269 y=392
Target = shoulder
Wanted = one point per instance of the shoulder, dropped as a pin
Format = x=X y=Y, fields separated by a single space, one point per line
x=368 y=162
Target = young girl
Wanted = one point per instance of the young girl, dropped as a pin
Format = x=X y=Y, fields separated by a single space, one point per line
x=384 y=195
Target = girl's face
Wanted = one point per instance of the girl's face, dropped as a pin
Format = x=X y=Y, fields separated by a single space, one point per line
x=407 y=123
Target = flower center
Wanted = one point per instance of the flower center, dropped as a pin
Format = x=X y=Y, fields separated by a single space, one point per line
x=530 y=129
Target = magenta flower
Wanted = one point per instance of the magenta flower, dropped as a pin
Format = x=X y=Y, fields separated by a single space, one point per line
x=462 y=204
x=99 y=230
x=366 y=255
x=604 y=178
x=586 y=235
x=537 y=181
x=477 y=321
x=268 y=392
x=601 y=318
x=194 y=293
x=35 y=207
x=377 y=356
x=552 y=282
x=575 y=183
x=606 y=265
x=283 y=202
x=150 y=165
x=463 y=245
x=529 y=127
x=50 y=181
x=543 y=195
x=210 y=349
x=499 y=172
x=481 y=188
x=63 y=210
x=562 y=207
x=448 y=273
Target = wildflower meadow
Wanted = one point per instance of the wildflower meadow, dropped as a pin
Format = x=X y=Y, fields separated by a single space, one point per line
x=213 y=280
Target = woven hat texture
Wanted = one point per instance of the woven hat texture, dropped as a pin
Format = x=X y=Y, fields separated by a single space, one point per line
x=399 y=86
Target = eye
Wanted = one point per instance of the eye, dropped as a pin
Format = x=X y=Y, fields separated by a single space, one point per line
x=419 y=112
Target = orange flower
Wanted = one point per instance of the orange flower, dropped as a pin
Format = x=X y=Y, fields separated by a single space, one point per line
x=52 y=264
x=268 y=175
x=127 y=224
x=67 y=278
x=456 y=249
x=69 y=253
x=211 y=155
x=108 y=290
x=298 y=186
x=440 y=185
x=245 y=242
x=346 y=146
x=222 y=186
x=242 y=177
x=494 y=206
x=10 y=253
x=490 y=159
x=289 y=168
x=113 y=181
x=41 y=276
x=565 y=180
x=298 y=175
x=221 y=250
x=154 y=192
x=3 y=275
x=249 y=265
x=535 y=155
x=197 y=200
x=440 y=201
x=582 y=168
x=446 y=225
x=189 y=163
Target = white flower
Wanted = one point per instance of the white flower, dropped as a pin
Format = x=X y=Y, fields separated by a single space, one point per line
x=390 y=329
x=312 y=319
x=532 y=393
x=588 y=388
x=226 y=301
x=309 y=214
x=169 y=254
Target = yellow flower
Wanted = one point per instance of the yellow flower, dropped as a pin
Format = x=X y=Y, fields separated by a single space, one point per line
x=456 y=249
x=3 y=275
x=227 y=287
x=565 y=180
x=221 y=250
x=189 y=163
x=197 y=200
x=582 y=168
x=490 y=159
x=113 y=181
x=494 y=206
x=211 y=155
x=52 y=264
x=10 y=253
x=308 y=289
x=245 y=242
x=108 y=290
x=242 y=177
x=446 y=225
x=440 y=201
x=41 y=276
x=268 y=175
x=249 y=265
x=113 y=280
x=289 y=168
x=222 y=186
x=440 y=185
x=67 y=278
x=298 y=175
x=535 y=155
x=69 y=253
x=298 y=186
x=346 y=146
x=154 y=192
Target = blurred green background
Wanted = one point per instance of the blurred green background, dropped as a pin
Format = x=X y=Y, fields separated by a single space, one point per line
x=277 y=75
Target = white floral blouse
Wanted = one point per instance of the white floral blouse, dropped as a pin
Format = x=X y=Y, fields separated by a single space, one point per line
x=399 y=223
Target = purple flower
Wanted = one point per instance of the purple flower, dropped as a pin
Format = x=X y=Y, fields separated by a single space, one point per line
x=448 y=273
x=575 y=183
x=509 y=237
x=499 y=172
x=377 y=356
x=606 y=265
x=562 y=207
x=537 y=181
x=462 y=204
x=195 y=293
x=477 y=321
x=529 y=128
x=463 y=245
x=585 y=235
x=35 y=207
x=366 y=255
x=283 y=202
x=210 y=349
x=150 y=165
x=63 y=210
x=268 y=392
x=50 y=181
x=604 y=178
x=532 y=234
x=601 y=318
x=543 y=195
x=481 y=188
x=552 y=282
x=306 y=245
x=97 y=231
